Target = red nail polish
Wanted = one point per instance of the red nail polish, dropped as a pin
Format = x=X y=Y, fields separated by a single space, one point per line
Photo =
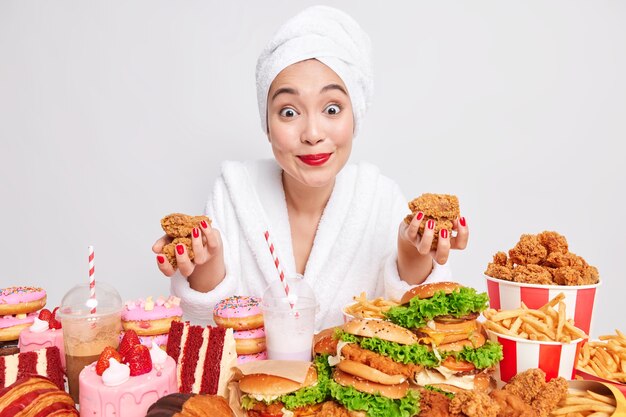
x=196 y=232
x=462 y=221
x=204 y=224
x=420 y=216
x=160 y=259
x=431 y=224
x=444 y=234
x=180 y=249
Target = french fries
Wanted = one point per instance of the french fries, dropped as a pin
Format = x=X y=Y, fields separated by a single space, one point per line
x=587 y=403
x=605 y=358
x=548 y=323
x=363 y=308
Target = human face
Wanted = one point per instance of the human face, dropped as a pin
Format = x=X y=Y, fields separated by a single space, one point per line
x=310 y=122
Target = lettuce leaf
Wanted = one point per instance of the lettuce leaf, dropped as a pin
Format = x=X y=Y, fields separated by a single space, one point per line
x=420 y=311
x=375 y=405
x=433 y=388
x=483 y=357
x=314 y=394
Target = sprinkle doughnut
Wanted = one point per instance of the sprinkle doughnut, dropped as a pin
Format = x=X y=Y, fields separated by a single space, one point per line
x=11 y=326
x=21 y=300
x=151 y=318
x=250 y=341
x=249 y=358
x=239 y=313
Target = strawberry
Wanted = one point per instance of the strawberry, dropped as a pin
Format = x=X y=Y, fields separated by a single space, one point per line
x=54 y=312
x=129 y=340
x=103 y=361
x=138 y=359
x=54 y=323
x=45 y=315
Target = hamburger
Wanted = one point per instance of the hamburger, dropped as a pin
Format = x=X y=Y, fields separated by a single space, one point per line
x=373 y=365
x=266 y=395
x=443 y=316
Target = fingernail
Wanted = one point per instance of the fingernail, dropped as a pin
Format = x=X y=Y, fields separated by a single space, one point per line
x=160 y=259
x=462 y=221
x=196 y=232
x=444 y=233
x=180 y=249
x=431 y=224
x=420 y=216
x=204 y=224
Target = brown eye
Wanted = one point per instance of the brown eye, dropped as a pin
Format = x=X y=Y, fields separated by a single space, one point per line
x=332 y=109
x=288 y=112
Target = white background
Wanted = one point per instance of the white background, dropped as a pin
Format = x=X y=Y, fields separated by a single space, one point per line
x=115 y=113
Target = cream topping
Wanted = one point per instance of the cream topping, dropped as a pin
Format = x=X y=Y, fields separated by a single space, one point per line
x=39 y=326
x=116 y=374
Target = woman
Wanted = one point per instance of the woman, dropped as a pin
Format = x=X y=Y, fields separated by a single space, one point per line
x=335 y=224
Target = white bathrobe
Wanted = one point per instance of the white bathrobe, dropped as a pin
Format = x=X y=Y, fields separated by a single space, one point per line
x=355 y=247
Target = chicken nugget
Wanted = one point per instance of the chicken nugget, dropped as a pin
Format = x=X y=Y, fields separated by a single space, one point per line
x=499 y=271
x=443 y=208
x=553 y=242
x=169 y=250
x=528 y=251
x=180 y=225
x=532 y=274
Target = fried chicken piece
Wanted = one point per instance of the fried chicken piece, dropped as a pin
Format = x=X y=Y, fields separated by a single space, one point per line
x=528 y=250
x=549 y=397
x=169 y=250
x=532 y=274
x=527 y=384
x=380 y=362
x=474 y=404
x=332 y=409
x=180 y=225
x=558 y=260
x=443 y=208
x=500 y=258
x=590 y=275
x=566 y=275
x=511 y=405
x=434 y=404
x=499 y=271
x=553 y=242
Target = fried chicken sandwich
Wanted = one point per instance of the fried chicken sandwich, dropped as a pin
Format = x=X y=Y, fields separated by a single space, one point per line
x=443 y=316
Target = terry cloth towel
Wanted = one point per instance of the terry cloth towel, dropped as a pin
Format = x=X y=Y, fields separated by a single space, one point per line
x=330 y=36
x=355 y=247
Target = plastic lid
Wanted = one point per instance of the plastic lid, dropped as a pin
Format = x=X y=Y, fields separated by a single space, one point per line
x=77 y=302
x=300 y=294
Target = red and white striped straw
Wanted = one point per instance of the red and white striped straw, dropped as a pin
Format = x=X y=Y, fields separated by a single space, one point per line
x=281 y=274
x=92 y=279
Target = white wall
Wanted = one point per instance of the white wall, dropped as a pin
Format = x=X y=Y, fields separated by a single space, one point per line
x=115 y=113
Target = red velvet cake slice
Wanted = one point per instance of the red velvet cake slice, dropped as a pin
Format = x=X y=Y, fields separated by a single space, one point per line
x=45 y=362
x=205 y=356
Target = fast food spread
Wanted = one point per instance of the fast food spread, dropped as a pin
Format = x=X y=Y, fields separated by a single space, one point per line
x=542 y=259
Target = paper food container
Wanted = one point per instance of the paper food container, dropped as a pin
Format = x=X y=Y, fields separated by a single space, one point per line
x=579 y=300
x=604 y=389
x=590 y=377
x=349 y=317
x=554 y=358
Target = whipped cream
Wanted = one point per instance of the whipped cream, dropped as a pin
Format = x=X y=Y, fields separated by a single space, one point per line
x=116 y=374
x=39 y=326
x=157 y=354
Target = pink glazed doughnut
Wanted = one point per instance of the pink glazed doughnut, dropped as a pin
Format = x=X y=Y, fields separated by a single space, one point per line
x=151 y=317
x=21 y=300
x=11 y=326
x=249 y=358
x=250 y=341
x=239 y=313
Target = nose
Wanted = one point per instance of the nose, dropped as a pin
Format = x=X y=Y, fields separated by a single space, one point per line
x=312 y=132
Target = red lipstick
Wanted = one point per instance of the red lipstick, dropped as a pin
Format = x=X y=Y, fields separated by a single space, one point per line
x=315 y=159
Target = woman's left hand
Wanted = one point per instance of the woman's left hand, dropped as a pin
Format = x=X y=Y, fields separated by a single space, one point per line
x=448 y=239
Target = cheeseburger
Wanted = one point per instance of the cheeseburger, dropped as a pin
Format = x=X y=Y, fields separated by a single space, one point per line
x=443 y=316
x=266 y=395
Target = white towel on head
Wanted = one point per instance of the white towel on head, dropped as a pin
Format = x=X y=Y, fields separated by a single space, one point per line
x=333 y=38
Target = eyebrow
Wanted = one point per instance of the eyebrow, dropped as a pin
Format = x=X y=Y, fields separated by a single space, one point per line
x=289 y=90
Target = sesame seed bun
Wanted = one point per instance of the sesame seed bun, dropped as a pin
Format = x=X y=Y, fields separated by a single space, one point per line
x=390 y=391
x=263 y=384
x=428 y=290
x=381 y=329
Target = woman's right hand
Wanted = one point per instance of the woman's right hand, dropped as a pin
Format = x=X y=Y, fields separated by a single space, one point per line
x=208 y=250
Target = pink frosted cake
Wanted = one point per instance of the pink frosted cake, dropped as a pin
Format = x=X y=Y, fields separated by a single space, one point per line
x=118 y=394
x=39 y=336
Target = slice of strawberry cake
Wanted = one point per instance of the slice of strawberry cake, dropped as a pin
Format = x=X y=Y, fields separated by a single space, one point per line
x=206 y=357
x=126 y=381
x=44 y=332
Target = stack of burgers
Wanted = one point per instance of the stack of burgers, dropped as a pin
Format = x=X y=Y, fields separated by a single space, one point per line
x=432 y=339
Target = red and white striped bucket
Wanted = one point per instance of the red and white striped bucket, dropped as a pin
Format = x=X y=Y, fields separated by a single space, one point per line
x=579 y=300
x=554 y=358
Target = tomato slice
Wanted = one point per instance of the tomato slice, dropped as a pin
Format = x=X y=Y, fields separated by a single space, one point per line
x=460 y=366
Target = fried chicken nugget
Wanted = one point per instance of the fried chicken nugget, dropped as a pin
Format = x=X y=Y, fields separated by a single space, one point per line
x=511 y=405
x=474 y=404
x=553 y=242
x=527 y=384
x=528 y=250
x=532 y=274
x=169 y=250
x=550 y=396
x=180 y=225
x=443 y=208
